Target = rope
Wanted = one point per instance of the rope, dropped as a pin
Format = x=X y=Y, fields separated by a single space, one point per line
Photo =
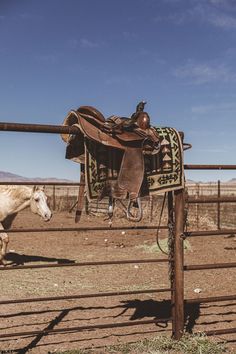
x=158 y=227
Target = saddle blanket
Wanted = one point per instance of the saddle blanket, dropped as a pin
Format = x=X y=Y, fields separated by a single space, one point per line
x=163 y=171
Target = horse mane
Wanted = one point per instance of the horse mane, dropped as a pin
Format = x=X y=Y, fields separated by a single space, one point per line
x=17 y=192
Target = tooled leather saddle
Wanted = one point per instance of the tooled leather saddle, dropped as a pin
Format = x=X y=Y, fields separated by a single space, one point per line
x=132 y=137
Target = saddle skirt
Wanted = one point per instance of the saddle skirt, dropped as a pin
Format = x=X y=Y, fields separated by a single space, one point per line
x=120 y=158
x=161 y=172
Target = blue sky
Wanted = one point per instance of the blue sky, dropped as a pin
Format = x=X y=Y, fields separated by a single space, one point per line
x=178 y=55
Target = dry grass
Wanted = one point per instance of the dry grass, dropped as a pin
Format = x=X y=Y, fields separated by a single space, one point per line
x=197 y=344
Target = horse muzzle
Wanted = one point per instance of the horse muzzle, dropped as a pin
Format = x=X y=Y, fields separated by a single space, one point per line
x=47 y=216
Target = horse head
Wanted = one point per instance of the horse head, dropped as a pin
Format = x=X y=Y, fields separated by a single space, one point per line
x=38 y=203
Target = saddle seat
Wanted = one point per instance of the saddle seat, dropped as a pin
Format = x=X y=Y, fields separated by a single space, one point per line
x=133 y=132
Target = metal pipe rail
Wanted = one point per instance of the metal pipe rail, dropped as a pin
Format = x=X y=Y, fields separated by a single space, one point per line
x=193 y=200
x=88 y=228
x=221 y=232
x=209 y=266
x=218 y=332
x=37 y=183
x=210 y=299
x=82 y=328
x=209 y=167
x=84 y=296
x=39 y=128
x=85 y=264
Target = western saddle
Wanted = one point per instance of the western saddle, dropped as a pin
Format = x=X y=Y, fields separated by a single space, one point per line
x=134 y=137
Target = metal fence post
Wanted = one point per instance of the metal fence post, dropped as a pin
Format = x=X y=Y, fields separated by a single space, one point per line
x=218 y=206
x=178 y=264
x=171 y=247
x=197 y=205
x=151 y=208
x=54 y=198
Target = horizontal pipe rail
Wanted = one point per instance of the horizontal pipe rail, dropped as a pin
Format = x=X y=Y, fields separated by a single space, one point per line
x=214 y=332
x=84 y=296
x=85 y=264
x=209 y=167
x=38 y=128
x=193 y=200
x=209 y=266
x=210 y=299
x=41 y=128
x=221 y=232
x=82 y=328
x=42 y=183
x=88 y=228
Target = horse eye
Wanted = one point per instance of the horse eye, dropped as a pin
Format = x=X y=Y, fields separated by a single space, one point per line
x=36 y=199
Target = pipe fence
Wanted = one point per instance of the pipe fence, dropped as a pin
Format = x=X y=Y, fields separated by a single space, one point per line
x=176 y=205
x=218 y=232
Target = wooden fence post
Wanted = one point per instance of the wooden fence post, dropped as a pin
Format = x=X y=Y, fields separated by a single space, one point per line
x=178 y=264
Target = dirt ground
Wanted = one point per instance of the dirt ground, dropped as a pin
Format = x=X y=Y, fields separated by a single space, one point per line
x=62 y=247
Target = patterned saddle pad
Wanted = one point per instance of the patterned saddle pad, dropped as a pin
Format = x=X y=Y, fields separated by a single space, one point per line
x=163 y=171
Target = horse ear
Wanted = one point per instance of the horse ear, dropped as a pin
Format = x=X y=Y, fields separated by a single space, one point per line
x=41 y=188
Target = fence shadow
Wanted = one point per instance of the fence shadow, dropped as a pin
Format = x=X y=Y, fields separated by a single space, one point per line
x=20 y=259
x=160 y=311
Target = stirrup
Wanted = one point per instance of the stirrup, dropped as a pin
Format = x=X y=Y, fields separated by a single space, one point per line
x=110 y=210
x=129 y=215
x=110 y=207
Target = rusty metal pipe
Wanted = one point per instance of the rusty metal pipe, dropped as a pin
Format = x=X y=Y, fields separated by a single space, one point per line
x=85 y=264
x=38 y=128
x=220 y=331
x=37 y=183
x=209 y=167
x=41 y=128
x=218 y=205
x=178 y=264
x=210 y=299
x=221 y=232
x=209 y=266
x=193 y=200
x=88 y=228
x=171 y=253
x=83 y=296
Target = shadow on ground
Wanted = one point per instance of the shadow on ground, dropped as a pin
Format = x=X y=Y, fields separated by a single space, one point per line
x=160 y=311
x=20 y=259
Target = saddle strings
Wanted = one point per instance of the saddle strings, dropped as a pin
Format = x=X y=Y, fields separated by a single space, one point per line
x=159 y=225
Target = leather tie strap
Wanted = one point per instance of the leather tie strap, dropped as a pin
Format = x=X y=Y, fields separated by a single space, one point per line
x=80 y=203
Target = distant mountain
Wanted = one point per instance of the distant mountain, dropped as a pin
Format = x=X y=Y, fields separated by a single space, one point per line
x=11 y=177
x=7 y=176
x=190 y=181
x=233 y=180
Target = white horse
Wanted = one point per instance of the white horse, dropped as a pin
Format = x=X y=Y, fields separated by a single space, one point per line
x=16 y=198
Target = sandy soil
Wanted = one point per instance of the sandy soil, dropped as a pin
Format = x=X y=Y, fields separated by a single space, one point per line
x=61 y=247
